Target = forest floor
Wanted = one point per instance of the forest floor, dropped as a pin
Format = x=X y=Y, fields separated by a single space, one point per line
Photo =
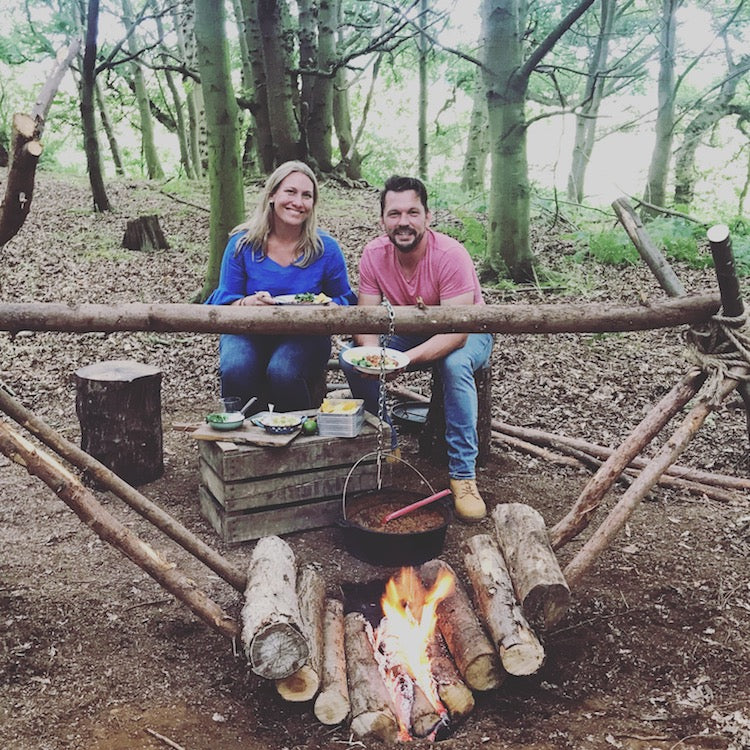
x=654 y=651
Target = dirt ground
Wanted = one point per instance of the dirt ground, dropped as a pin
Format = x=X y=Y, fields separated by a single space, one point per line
x=653 y=653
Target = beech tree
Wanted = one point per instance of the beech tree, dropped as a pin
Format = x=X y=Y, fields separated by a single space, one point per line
x=224 y=168
x=508 y=61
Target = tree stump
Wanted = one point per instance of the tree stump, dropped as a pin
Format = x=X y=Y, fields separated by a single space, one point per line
x=144 y=233
x=118 y=404
x=432 y=437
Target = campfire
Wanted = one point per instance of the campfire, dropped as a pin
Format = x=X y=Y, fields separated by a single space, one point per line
x=401 y=658
x=401 y=645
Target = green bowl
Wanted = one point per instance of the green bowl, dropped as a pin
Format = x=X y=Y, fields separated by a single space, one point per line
x=225 y=420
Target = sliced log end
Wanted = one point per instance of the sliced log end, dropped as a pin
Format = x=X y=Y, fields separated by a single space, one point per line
x=299 y=687
x=458 y=699
x=547 y=605
x=484 y=673
x=278 y=651
x=24 y=124
x=522 y=659
x=377 y=725
x=331 y=707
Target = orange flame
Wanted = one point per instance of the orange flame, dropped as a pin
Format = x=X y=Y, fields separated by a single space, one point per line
x=407 y=628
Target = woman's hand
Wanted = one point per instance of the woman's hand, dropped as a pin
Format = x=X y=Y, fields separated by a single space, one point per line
x=259 y=298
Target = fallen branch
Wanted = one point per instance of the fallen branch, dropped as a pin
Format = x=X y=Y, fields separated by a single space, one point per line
x=110 y=481
x=618 y=516
x=592 y=317
x=83 y=503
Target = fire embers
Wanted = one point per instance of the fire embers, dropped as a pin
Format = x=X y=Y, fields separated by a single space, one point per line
x=403 y=645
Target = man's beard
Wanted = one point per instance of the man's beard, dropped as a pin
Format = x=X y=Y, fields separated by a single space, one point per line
x=408 y=246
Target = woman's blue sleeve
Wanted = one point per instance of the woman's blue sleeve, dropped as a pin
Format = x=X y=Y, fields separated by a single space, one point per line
x=232 y=276
x=336 y=283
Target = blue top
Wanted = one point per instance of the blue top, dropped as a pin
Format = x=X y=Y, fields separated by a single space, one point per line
x=249 y=272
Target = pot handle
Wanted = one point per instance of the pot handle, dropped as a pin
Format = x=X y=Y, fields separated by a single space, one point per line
x=391 y=457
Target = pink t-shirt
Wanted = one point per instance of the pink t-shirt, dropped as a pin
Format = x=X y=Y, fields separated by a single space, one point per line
x=446 y=271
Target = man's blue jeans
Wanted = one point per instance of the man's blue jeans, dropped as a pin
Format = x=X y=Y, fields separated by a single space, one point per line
x=459 y=391
x=277 y=369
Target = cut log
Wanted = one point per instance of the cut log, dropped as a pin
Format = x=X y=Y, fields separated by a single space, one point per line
x=540 y=586
x=519 y=648
x=560 y=318
x=424 y=718
x=471 y=649
x=372 y=714
x=332 y=704
x=303 y=685
x=271 y=621
x=144 y=233
x=452 y=690
x=118 y=403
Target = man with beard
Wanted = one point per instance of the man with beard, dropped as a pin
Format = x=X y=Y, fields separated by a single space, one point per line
x=412 y=265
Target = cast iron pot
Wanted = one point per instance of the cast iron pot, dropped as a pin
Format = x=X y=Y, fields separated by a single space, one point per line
x=388 y=548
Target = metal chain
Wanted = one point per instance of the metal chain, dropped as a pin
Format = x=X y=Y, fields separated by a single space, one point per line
x=381 y=385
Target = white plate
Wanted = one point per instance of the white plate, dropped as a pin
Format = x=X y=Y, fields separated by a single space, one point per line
x=357 y=352
x=291 y=299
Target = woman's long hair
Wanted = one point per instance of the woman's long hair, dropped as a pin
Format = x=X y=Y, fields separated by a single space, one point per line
x=260 y=224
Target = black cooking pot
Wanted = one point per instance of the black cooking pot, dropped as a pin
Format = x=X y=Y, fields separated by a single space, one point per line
x=380 y=547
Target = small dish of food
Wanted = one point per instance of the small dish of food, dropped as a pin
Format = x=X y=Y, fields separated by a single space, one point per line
x=225 y=420
x=281 y=424
x=304 y=298
x=372 y=359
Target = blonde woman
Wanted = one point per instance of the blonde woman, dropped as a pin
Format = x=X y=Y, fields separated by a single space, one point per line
x=279 y=251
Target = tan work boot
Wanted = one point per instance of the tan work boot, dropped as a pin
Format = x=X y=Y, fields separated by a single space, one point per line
x=467 y=501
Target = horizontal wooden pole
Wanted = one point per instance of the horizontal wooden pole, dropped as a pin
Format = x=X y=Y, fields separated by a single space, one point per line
x=599 y=317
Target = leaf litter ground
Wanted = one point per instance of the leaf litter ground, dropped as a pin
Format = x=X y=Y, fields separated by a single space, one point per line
x=654 y=652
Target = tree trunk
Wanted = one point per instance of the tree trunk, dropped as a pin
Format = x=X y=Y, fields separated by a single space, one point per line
x=707 y=116
x=658 y=171
x=503 y=29
x=519 y=648
x=88 y=115
x=351 y=161
x=19 y=190
x=271 y=620
x=114 y=148
x=586 y=117
x=423 y=97
x=477 y=147
x=259 y=106
x=320 y=122
x=277 y=56
x=179 y=107
x=154 y=169
x=224 y=168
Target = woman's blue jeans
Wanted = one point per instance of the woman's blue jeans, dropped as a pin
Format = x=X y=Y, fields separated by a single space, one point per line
x=459 y=396
x=277 y=369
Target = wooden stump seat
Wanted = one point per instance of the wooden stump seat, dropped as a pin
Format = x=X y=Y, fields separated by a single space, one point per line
x=118 y=403
x=432 y=437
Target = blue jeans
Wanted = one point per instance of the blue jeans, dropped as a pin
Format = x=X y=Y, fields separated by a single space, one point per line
x=277 y=369
x=459 y=397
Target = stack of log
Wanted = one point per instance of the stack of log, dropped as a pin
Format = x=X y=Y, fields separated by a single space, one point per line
x=298 y=636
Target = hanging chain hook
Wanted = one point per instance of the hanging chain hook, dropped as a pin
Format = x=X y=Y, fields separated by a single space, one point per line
x=381 y=385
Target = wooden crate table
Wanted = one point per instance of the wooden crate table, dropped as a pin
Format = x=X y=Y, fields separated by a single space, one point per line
x=250 y=491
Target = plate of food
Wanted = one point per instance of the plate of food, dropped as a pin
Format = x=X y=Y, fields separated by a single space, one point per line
x=372 y=359
x=304 y=298
x=281 y=424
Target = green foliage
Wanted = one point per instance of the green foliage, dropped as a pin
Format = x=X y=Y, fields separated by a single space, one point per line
x=470 y=231
x=609 y=246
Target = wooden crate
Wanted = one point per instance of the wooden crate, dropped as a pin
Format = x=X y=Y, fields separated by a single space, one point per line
x=248 y=492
